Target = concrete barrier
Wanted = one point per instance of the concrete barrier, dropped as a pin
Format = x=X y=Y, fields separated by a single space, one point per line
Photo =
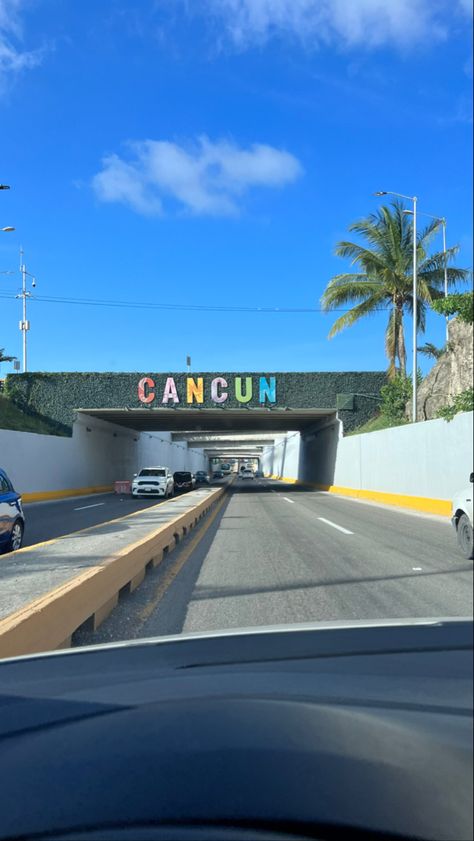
x=47 y=623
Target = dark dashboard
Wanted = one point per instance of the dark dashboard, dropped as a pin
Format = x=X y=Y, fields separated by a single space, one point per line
x=354 y=731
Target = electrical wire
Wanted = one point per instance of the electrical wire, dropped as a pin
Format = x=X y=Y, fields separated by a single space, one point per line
x=50 y=299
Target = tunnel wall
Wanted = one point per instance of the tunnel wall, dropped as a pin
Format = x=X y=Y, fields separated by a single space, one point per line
x=98 y=454
x=283 y=459
x=419 y=466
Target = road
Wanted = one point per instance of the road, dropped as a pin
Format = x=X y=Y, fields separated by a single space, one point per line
x=276 y=553
x=47 y=520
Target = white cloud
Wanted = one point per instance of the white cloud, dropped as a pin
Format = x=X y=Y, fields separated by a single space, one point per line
x=366 y=23
x=13 y=58
x=203 y=178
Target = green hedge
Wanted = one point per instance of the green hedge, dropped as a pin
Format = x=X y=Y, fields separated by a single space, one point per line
x=57 y=395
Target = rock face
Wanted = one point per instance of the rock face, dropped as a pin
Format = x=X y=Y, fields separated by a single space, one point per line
x=451 y=374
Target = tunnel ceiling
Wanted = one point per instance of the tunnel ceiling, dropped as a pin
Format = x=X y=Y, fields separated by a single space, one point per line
x=212 y=420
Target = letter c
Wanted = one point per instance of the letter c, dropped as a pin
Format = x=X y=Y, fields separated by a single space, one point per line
x=146 y=392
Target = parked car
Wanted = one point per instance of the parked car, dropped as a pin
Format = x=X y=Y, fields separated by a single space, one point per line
x=153 y=481
x=462 y=519
x=218 y=474
x=183 y=480
x=12 y=518
x=202 y=478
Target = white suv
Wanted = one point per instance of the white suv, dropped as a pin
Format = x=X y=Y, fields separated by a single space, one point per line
x=153 y=481
x=462 y=519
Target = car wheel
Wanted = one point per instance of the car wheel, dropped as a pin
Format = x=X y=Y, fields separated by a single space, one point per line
x=465 y=539
x=16 y=537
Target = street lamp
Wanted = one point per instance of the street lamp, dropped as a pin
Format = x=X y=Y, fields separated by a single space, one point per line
x=441 y=219
x=4 y=187
x=7 y=229
x=413 y=199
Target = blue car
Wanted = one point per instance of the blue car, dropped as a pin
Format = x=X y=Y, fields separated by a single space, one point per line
x=12 y=519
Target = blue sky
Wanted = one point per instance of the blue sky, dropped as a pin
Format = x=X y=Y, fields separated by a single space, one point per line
x=212 y=152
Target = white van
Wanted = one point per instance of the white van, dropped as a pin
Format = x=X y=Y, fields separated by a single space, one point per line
x=462 y=519
x=153 y=481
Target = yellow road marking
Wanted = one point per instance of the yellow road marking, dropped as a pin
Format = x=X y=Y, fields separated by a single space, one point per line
x=43 y=496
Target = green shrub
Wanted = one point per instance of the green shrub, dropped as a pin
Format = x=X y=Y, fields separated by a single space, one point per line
x=460 y=304
x=395 y=396
x=463 y=402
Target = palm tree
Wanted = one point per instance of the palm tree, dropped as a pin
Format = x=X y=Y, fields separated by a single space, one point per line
x=432 y=351
x=385 y=279
x=4 y=358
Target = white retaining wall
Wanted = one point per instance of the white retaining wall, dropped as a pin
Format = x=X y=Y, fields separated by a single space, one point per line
x=429 y=459
x=98 y=454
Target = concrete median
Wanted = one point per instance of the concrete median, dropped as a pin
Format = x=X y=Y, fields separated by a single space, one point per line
x=48 y=622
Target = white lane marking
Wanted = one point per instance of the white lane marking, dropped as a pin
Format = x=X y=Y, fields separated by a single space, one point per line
x=335 y=526
x=83 y=507
x=417 y=569
x=289 y=500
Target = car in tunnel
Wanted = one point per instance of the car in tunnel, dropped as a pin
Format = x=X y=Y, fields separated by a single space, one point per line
x=12 y=518
x=183 y=481
x=153 y=481
x=202 y=477
x=247 y=473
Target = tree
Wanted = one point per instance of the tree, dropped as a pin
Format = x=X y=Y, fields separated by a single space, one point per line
x=385 y=279
x=460 y=305
x=431 y=351
x=4 y=358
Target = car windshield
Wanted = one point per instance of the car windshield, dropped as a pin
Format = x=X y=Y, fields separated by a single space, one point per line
x=236 y=319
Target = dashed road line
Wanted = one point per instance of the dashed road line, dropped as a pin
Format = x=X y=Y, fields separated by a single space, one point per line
x=335 y=526
x=289 y=500
x=83 y=507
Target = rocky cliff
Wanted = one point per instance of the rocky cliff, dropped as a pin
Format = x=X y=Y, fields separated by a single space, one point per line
x=452 y=373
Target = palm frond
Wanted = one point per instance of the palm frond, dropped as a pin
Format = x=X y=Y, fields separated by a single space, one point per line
x=344 y=289
x=368 y=307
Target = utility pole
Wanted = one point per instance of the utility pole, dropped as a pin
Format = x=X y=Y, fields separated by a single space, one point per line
x=24 y=295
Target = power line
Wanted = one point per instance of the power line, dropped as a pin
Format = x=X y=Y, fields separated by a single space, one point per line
x=91 y=302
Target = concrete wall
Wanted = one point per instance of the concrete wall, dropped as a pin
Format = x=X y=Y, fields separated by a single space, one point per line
x=430 y=460
x=97 y=454
x=283 y=459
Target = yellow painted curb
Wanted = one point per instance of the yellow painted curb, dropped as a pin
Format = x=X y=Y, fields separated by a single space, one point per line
x=416 y=503
x=424 y=504
x=47 y=623
x=41 y=496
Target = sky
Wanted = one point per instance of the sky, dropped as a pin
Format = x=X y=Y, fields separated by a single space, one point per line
x=210 y=154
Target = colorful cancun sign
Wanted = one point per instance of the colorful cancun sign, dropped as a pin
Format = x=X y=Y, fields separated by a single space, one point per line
x=243 y=389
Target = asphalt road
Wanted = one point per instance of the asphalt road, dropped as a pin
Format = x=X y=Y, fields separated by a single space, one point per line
x=276 y=554
x=47 y=520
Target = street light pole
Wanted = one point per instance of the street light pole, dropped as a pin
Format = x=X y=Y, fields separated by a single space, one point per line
x=415 y=315
x=445 y=274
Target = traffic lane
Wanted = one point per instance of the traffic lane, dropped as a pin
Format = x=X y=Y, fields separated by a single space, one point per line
x=267 y=561
x=47 y=520
x=430 y=540
x=274 y=562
